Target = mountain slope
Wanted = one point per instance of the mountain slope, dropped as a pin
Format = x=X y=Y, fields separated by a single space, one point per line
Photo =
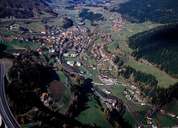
x=23 y=8
x=158 y=46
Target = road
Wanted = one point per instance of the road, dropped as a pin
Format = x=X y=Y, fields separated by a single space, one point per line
x=5 y=111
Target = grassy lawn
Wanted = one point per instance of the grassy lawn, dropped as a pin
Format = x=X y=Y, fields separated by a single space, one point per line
x=8 y=33
x=172 y=107
x=62 y=77
x=112 y=46
x=118 y=91
x=129 y=118
x=136 y=115
x=65 y=100
x=23 y=44
x=36 y=26
x=55 y=21
x=90 y=73
x=91 y=60
x=16 y=44
x=163 y=78
x=93 y=115
x=166 y=121
x=7 y=45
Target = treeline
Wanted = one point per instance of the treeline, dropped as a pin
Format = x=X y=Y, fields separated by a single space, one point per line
x=159 y=46
x=3 y=47
x=89 y=15
x=19 y=43
x=118 y=61
x=159 y=96
x=165 y=95
x=146 y=82
x=145 y=78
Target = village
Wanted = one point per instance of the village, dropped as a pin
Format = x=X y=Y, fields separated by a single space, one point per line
x=68 y=47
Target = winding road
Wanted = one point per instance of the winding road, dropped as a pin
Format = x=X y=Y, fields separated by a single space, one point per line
x=5 y=111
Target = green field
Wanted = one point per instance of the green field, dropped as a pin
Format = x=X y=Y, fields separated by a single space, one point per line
x=62 y=77
x=164 y=80
x=129 y=118
x=118 y=90
x=36 y=26
x=93 y=115
x=166 y=121
x=24 y=44
x=121 y=39
x=172 y=107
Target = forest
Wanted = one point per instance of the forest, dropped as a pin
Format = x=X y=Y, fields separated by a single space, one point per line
x=146 y=82
x=158 y=46
x=85 y=14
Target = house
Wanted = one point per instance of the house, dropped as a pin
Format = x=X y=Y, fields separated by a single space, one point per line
x=78 y=64
x=71 y=63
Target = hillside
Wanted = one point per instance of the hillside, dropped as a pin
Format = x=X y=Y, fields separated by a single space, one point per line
x=23 y=8
x=159 y=46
